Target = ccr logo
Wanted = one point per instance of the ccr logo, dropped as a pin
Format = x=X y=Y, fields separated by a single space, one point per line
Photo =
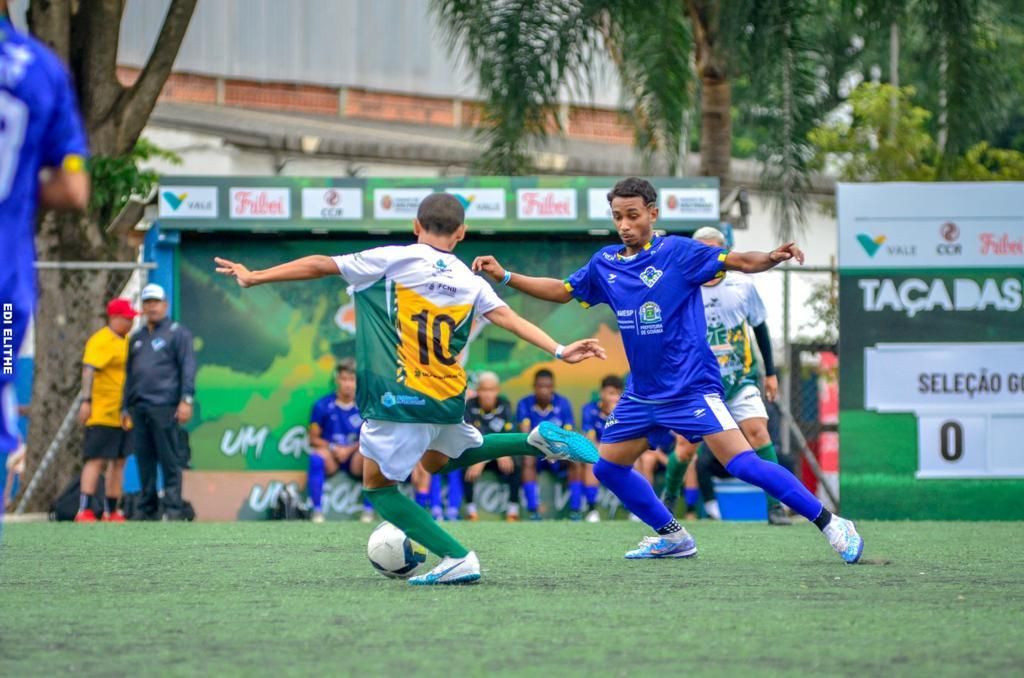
x=950 y=232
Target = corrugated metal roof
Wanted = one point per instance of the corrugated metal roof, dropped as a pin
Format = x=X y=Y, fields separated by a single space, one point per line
x=386 y=45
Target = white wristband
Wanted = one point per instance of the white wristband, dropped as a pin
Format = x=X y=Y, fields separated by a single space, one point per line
x=508 y=276
x=559 y=350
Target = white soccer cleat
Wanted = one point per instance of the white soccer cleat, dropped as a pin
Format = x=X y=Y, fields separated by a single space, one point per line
x=367 y=516
x=843 y=537
x=451 y=571
x=558 y=444
x=593 y=516
x=318 y=517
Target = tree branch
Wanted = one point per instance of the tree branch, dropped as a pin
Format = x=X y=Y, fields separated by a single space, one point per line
x=141 y=98
x=95 y=35
x=50 y=21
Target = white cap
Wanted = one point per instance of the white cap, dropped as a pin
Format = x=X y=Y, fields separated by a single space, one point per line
x=153 y=291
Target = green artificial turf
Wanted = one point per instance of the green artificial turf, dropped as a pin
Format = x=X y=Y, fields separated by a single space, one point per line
x=556 y=599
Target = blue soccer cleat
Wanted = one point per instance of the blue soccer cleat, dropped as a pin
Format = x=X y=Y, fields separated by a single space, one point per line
x=451 y=571
x=559 y=444
x=662 y=547
x=843 y=537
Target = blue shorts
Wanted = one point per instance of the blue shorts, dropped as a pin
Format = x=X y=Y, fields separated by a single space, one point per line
x=693 y=418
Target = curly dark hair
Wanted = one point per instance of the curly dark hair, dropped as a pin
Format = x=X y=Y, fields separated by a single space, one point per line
x=634 y=187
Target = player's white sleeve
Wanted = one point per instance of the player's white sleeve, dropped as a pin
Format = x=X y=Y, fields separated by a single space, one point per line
x=487 y=299
x=755 y=310
x=362 y=269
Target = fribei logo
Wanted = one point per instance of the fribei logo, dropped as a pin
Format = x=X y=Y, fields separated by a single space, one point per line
x=650 y=276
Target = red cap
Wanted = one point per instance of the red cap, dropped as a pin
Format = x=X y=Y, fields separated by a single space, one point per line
x=121 y=307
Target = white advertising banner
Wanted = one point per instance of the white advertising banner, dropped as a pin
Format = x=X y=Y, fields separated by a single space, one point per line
x=686 y=204
x=188 y=202
x=398 y=203
x=332 y=203
x=969 y=402
x=914 y=225
x=260 y=203
x=481 y=203
x=546 y=203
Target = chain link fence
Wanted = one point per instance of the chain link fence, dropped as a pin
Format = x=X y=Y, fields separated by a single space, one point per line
x=72 y=306
x=803 y=316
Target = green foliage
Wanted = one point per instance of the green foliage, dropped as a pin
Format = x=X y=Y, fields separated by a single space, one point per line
x=823 y=304
x=115 y=180
x=982 y=163
x=875 y=143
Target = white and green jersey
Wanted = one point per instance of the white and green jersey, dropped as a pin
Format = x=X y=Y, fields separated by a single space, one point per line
x=414 y=308
x=730 y=308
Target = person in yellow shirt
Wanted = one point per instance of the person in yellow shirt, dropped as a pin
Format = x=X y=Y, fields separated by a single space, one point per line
x=106 y=442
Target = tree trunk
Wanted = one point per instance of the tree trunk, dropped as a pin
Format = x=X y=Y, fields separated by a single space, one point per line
x=716 y=128
x=716 y=91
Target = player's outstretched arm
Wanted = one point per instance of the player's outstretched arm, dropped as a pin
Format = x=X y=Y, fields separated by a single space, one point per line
x=755 y=262
x=578 y=351
x=62 y=189
x=306 y=268
x=548 y=289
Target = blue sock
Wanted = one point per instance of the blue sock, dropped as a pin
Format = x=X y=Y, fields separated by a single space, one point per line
x=776 y=481
x=435 y=493
x=692 y=496
x=635 y=493
x=575 y=495
x=315 y=481
x=423 y=498
x=454 y=494
x=367 y=506
x=591 y=494
x=530 y=490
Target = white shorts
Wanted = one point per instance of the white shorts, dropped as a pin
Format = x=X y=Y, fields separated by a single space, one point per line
x=747 y=404
x=398 y=446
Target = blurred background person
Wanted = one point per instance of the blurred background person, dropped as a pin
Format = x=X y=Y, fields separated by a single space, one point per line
x=334 y=425
x=734 y=310
x=490 y=412
x=106 y=442
x=159 y=393
x=593 y=418
x=544 y=404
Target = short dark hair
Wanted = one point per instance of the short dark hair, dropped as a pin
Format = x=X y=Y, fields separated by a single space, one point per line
x=615 y=381
x=345 y=366
x=441 y=213
x=543 y=372
x=634 y=187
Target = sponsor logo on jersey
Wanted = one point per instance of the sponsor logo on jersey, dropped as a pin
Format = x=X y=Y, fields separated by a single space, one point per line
x=700 y=412
x=158 y=343
x=612 y=277
x=650 y=276
x=650 y=313
x=389 y=399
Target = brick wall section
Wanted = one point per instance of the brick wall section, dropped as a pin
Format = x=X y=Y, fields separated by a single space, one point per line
x=406 y=108
x=591 y=124
x=281 y=96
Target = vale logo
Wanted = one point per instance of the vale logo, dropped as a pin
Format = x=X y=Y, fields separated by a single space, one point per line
x=173 y=200
x=870 y=245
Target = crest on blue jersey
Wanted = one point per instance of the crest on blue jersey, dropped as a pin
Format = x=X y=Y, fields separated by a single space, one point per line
x=650 y=275
x=650 y=313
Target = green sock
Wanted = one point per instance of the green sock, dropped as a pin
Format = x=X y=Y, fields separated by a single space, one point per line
x=768 y=454
x=414 y=520
x=674 y=475
x=496 y=446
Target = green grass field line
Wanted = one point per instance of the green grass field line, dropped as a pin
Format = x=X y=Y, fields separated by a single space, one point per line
x=556 y=599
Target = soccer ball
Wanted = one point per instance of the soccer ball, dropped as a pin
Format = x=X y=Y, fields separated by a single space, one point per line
x=393 y=554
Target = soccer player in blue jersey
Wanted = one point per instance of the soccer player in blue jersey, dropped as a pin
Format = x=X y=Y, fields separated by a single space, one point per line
x=544 y=404
x=652 y=283
x=592 y=420
x=42 y=152
x=334 y=439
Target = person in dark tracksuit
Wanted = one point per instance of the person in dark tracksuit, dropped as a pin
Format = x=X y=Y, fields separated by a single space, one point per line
x=159 y=390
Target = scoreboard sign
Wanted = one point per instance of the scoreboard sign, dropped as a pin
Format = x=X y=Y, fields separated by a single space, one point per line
x=932 y=350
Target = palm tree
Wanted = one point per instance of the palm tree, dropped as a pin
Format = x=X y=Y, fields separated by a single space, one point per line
x=526 y=53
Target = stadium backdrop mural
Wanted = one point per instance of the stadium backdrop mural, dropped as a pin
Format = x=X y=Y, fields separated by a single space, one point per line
x=266 y=353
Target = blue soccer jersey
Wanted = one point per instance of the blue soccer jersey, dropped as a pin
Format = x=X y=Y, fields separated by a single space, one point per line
x=593 y=419
x=674 y=382
x=39 y=127
x=656 y=298
x=558 y=412
x=338 y=425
